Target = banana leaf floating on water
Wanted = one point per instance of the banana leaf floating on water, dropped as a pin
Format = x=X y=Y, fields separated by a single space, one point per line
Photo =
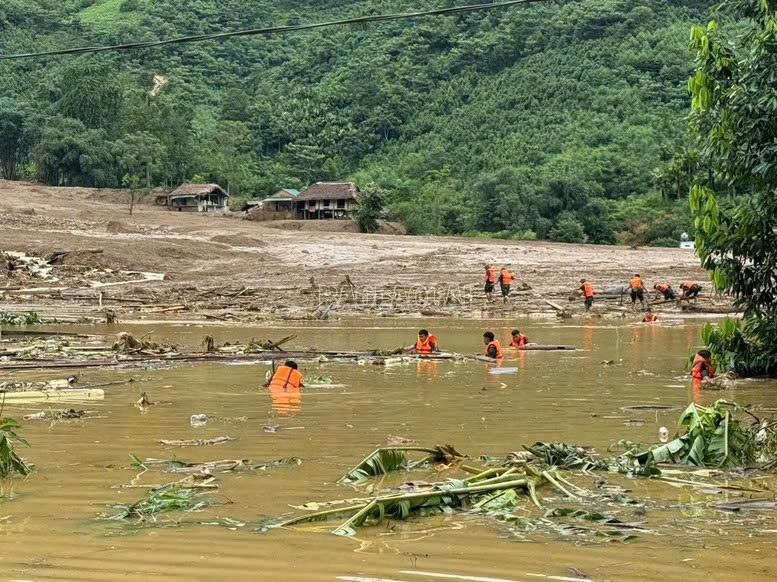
x=388 y=459
x=492 y=492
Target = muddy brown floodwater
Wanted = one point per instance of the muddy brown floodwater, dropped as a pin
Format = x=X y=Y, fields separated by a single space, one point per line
x=51 y=530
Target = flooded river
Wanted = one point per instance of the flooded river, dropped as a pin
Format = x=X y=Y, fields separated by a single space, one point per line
x=51 y=530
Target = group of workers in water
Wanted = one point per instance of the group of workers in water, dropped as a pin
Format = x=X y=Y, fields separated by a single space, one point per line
x=427 y=344
x=286 y=380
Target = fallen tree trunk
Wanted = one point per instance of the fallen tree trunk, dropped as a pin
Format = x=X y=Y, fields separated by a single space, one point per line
x=546 y=348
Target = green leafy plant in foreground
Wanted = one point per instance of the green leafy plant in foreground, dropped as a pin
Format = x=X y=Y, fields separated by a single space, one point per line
x=10 y=461
x=713 y=438
x=734 y=118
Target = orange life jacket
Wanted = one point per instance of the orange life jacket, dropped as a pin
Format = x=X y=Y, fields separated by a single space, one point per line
x=521 y=341
x=662 y=287
x=699 y=365
x=491 y=275
x=507 y=277
x=286 y=378
x=495 y=344
x=650 y=317
x=426 y=347
x=636 y=283
x=588 y=290
x=687 y=285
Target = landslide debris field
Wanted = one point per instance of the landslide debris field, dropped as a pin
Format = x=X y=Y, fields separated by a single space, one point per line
x=79 y=252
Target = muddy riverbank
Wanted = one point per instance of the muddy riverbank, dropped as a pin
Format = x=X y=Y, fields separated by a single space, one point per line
x=160 y=264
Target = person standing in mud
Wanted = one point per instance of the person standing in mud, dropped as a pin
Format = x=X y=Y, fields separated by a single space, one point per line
x=505 y=280
x=638 y=290
x=490 y=282
x=588 y=293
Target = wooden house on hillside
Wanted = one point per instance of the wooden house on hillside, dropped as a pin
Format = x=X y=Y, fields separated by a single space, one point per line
x=198 y=198
x=327 y=200
x=281 y=201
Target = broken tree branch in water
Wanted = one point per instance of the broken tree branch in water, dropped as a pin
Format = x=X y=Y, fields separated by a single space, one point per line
x=196 y=442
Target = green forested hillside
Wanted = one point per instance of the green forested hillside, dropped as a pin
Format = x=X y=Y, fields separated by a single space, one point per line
x=557 y=120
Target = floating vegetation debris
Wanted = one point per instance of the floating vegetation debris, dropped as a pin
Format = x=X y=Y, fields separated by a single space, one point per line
x=196 y=442
x=165 y=500
x=207 y=467
x=127 y=344
x=388 y=459
x=18 y=386
x=506 y=489
x=314 y=380
x=58 y=415
x=492 y=492
x=385 y=353
x=29 y=318
x=252 y=346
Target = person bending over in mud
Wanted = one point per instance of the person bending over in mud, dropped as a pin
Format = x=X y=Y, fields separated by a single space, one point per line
x=426 y=344
x=665 y=290
x=690 y=290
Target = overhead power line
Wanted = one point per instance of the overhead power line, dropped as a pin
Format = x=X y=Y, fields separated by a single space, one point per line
x=274 y=30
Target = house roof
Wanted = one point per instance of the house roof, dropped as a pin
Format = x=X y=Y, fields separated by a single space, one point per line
x=330 y=191
x=285 y=195
x=186 y=190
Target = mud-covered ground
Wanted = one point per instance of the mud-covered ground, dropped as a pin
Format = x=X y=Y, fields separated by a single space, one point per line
x=228 y=267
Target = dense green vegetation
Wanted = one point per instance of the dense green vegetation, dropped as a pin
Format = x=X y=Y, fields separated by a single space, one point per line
x=558 y=120
x=735 y=120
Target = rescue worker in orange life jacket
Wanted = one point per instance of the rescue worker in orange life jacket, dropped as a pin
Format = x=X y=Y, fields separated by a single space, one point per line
x=490 y=282
x=505 y=280
x=690 y=290
x=665 y=290
x=285 y=387
x=588 y=292
x=650 y=317
x=286 y=377
x=493 y=348
x=637 y=290
x=518 y=340
x=426 y=344
x=702 y=368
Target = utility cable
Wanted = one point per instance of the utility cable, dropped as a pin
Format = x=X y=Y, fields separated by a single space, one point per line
x=274 y=30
